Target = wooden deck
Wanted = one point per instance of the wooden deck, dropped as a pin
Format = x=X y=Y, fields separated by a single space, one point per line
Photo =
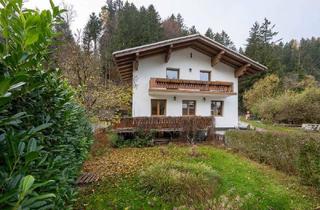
x=131 y=124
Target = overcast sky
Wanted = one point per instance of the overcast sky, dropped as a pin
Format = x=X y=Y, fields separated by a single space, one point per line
x=293 y=18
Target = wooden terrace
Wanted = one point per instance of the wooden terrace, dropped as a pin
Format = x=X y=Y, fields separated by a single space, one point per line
x=159 y=123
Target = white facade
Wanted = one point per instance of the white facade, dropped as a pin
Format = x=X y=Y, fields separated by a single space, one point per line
x=189 y=68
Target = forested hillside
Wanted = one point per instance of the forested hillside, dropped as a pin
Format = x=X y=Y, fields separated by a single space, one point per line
x=85 y=58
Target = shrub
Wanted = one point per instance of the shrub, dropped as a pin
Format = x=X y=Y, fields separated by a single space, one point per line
x=292 y=107
x=267 y=87
x=294 y=153
x=140 y=139
x=44 y=134
x=309 y=162
x=180 y=182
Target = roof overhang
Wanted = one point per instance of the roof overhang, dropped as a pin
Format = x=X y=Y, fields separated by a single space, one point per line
x=127 y=60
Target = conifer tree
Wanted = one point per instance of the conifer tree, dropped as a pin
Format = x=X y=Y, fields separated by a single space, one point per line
x=209 y=33
x=223 y=38
x=193 y=30
x=92 y=32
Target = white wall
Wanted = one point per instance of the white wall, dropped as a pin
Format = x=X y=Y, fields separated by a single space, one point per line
x=156 y=67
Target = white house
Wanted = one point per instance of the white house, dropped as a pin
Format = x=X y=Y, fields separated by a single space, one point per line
x=191 y=75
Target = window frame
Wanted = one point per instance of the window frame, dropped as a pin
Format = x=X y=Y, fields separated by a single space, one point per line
x=209 y=75
x=173 y=69
x=222 y=108
x=158 y=107
x=188 y=109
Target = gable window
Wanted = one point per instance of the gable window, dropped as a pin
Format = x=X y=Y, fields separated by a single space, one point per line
x=216 y=108
x=205 y=75
x=188 y=107
x=158 y=107
x=172 y=73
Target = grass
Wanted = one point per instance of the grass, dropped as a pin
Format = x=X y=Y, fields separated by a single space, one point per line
x=269 y=126
x=257 y=186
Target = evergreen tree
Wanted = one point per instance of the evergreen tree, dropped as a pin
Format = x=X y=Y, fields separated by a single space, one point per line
x=108 y=16
x=223 y=38
x=209 y=33
x=193 y=30
x=92 y=32
x=174 y=27
x=261 y=46
x=151 y=30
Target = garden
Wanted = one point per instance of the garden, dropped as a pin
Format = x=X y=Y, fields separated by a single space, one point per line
x=180 y=176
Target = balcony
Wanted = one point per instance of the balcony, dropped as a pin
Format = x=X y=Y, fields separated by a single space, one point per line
x=187 y=87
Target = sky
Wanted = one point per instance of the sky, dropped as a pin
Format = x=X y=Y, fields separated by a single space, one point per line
x=294 y=19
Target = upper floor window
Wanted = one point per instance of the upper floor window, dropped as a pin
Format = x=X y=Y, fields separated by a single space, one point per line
x=188 y=107
x=205 y=75
x=217 y=108
x=172 y=73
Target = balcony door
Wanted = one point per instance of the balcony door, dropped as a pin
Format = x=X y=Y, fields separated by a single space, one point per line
x=188 y=107
x=158 y=107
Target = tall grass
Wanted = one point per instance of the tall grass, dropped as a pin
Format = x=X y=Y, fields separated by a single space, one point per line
x=296 y=153
x=180 y=182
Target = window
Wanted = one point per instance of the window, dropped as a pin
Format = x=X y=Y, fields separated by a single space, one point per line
x=188 y=107
x=205 y=75
x=216 y=108
x=158 y=107
x=172 y=73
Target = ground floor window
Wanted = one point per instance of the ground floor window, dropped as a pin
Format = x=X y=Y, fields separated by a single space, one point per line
x=216 y=108
x=158 y=107
x=188 y=107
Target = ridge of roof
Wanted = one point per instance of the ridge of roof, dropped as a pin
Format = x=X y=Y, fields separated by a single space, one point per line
x=155 y=43
x=188 y=37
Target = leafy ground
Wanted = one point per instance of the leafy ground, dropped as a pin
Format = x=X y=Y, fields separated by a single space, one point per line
x=242 y=181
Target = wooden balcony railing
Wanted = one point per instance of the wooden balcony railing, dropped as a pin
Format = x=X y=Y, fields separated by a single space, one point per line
x=164 y=123
x=191 y=85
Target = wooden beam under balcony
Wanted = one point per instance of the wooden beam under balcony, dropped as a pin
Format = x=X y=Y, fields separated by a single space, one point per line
x=240 y=71
x=136 y=62
x=216 y=59
x=168 y=54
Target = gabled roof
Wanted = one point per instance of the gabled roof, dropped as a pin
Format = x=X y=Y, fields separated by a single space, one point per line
x=128 y=59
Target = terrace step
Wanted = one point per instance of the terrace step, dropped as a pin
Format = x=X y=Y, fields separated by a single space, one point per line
x=87 y=178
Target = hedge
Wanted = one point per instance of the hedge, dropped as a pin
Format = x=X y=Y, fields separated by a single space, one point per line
x=44 y=133
x=295 y=153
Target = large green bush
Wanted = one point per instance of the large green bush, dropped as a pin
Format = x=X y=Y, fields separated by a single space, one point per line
x=266 y=87
x=292 y=107
x=298 y=104
x=44 y=134
x=292 y=152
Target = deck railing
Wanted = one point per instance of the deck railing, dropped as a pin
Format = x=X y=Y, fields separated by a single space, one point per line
x=164 y=123
x=180 y=84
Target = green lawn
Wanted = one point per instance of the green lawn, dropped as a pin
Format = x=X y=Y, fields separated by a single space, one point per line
x=269 y=126
x=259 y=187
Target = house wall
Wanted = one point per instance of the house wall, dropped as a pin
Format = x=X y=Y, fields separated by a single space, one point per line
x=156 y=67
